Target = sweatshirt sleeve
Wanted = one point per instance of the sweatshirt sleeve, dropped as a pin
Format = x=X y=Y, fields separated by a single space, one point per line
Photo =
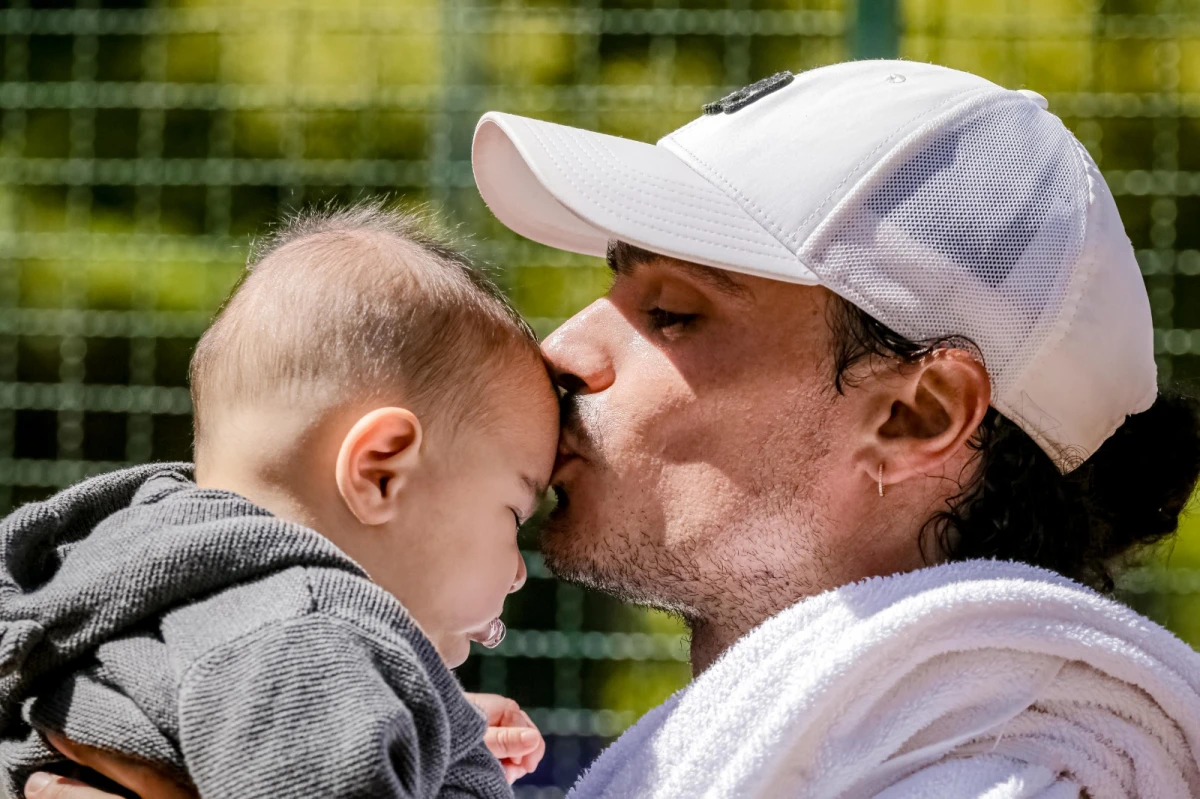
x=474 y=775
x=307 y=706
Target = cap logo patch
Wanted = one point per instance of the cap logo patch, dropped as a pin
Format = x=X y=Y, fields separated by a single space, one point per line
x=736 y=101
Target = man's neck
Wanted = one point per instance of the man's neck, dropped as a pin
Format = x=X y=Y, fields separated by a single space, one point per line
x=710 y=640
x=726 y=622
x=714 y=633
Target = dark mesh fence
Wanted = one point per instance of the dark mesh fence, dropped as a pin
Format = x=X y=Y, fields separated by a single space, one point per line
x=142 y=144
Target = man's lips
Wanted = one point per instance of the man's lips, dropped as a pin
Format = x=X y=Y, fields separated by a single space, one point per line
x=560 y=461
x=566 y=454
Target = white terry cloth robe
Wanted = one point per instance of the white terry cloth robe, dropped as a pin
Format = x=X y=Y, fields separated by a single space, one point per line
x=974 y=679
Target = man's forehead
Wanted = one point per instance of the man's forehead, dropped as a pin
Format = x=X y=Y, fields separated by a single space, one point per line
x=624 y=259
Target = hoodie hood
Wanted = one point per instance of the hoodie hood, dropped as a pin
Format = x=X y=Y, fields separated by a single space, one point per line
x=114 y=552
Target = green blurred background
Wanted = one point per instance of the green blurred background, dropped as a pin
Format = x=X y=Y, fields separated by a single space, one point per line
x=143 y=143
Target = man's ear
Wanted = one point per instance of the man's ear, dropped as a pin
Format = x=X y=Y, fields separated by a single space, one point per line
x=376 y=461
x=925 y=415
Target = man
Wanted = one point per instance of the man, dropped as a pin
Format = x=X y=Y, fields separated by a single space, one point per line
x=865 y=320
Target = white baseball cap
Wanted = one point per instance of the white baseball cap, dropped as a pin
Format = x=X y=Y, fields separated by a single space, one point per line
x=938 y=202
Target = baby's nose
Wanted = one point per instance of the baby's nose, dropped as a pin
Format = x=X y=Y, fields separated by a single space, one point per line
x=521 y=575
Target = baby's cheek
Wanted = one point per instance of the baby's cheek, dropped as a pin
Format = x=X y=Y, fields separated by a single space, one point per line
x=489 y=568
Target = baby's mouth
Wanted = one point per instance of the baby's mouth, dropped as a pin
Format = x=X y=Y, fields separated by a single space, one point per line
x=492 y=636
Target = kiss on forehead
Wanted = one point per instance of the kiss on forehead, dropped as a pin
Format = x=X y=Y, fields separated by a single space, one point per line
x=871 y=403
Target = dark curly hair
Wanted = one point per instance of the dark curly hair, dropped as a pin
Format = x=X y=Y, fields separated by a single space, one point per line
x=1018 y=506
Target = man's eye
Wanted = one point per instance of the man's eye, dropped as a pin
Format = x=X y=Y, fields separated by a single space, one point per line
x=663 y=320
x=516 y=518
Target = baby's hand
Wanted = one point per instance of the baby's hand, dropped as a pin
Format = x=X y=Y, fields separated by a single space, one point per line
x=511 y=735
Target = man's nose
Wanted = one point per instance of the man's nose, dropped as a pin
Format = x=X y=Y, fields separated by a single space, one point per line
x=522 y=575
x=579 y=354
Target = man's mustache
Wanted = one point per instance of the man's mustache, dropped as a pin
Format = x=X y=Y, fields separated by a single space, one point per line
x=578 y=418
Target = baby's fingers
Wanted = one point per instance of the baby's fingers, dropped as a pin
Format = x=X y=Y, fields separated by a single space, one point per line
x=513 y=773
x=142 y=778
x=511 y=743
x=530 y=760
x=52 y=786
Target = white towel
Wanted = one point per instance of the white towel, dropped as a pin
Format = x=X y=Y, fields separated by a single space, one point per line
x=976 y=679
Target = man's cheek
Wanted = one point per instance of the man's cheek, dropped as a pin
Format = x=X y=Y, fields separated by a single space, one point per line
x=699 y=496
x=703 y=429
x=658 y=409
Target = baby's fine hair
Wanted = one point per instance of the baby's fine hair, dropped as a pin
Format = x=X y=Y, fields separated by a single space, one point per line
x=344 y=304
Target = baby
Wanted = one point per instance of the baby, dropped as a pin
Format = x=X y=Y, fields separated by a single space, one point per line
x=373 y=424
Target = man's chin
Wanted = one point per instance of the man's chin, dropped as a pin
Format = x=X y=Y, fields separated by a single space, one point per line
x=565 y=550
x=574 y=553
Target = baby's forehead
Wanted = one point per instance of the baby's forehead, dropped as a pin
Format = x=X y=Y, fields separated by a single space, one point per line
x=522 y=394
x=518 y=411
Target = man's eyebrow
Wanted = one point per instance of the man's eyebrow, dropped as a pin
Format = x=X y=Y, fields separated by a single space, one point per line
x=624 y=258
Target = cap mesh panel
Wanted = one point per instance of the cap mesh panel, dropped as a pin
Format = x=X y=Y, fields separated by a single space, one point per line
x=971 y=230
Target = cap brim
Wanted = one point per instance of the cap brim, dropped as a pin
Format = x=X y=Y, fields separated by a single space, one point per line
x=576 y=190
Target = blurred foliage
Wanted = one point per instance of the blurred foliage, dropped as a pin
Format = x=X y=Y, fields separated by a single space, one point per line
x=143 y=142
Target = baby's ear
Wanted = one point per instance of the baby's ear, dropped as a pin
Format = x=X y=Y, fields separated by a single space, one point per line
x=376 y=461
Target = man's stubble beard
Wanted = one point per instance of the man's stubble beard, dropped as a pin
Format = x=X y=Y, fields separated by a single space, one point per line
x=612 y=554
x=729 y=569
x=608 y=562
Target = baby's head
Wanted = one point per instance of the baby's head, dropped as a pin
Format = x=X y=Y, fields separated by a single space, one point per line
x=365 y=380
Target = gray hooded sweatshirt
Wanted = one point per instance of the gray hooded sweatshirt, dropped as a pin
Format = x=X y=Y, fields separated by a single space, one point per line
x=247 y=654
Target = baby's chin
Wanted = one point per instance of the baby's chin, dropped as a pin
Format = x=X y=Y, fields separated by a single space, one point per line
x=454 y=647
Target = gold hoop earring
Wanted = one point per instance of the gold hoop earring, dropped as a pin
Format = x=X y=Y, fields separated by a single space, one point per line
x=881 y=478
